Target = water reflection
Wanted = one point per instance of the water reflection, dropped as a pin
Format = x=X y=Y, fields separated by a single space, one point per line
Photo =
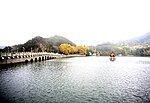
x=81 y=79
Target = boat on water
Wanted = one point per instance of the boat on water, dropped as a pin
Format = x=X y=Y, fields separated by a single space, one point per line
x=112 y=56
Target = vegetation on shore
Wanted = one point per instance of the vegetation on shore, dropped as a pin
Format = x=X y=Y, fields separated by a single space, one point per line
x=139 y=46
x=121 y=49
x=68 y=49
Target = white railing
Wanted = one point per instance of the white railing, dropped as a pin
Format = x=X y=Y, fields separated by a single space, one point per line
x=28 y=53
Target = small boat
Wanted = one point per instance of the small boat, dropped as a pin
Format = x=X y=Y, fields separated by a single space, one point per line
x=112 y=56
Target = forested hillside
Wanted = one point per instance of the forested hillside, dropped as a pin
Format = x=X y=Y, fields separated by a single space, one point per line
x=39 y=44
x=139 y=46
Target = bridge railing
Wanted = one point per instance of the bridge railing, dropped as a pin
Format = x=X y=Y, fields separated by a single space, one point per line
x=26 y=54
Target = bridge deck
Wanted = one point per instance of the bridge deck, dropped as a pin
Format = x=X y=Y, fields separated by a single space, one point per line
x=28 y=57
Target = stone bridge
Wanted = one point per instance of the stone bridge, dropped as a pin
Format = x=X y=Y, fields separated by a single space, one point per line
x=11 y=58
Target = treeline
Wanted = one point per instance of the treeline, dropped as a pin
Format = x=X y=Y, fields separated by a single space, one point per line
x=68 y=49
x=106 y=48
x=142 y=52
x=124 y=50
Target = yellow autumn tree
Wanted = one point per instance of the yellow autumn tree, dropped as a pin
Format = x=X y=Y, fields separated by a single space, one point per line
x=83 y=50
x=66 y=48
x=75 y=49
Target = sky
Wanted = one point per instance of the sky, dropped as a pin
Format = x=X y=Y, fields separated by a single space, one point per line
x=85 y=22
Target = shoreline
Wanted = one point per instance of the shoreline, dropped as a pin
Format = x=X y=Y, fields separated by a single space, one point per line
x=73 y=55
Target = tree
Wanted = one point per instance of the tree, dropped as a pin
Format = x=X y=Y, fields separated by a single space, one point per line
x=68 y=49
x=83 y=50
x=65 y=48
x=7 y=49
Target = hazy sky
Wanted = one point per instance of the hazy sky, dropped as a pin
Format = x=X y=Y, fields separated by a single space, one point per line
x=84 y=22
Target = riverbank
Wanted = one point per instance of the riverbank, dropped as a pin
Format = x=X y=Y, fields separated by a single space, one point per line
x=73 y=55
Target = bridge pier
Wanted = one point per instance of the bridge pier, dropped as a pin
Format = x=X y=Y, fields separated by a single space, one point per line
x=39 y=58
x=35 y=59
x=31 y=60
x=47 y=57
x=42 y=58
x=26 y=61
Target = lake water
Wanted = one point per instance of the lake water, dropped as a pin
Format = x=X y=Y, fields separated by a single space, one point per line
x=78 y=80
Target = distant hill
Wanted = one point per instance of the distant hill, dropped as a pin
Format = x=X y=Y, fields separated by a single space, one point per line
x=36 y=42
x=144 y=39
x=2 y=47
x=43 y=44
x=136 y=46
x=58 y=40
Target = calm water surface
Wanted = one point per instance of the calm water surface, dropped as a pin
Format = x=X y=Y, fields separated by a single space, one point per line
x=78 y=80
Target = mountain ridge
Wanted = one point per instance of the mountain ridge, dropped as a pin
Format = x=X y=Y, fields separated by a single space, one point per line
x=39 y=43
x=143 y=39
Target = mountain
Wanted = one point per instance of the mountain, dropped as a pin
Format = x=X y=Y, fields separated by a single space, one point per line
x=43 y=44
x=36 y=42
x=144 y=39
x=58 y=40
x=2 y=47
